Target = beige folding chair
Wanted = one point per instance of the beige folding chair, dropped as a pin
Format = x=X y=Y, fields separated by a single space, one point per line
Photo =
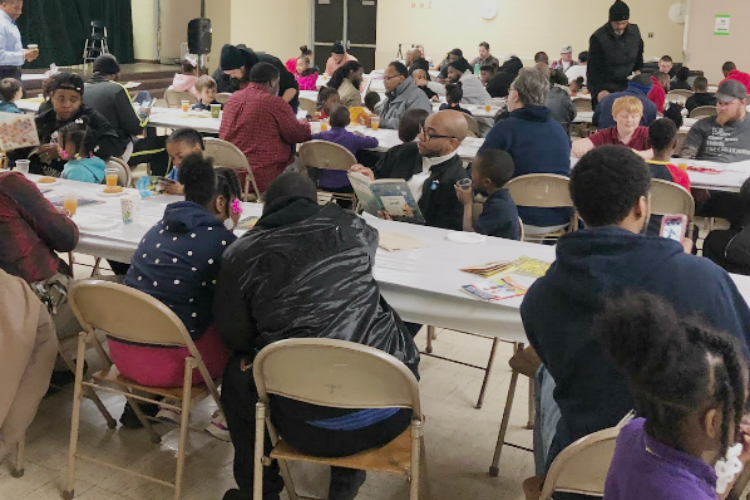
x=223 y=97
x=703 y=112
x=675 y=96
x=129 y=315
x=543 y=191
x=582 y=104
x=338 y=374
x=681 y=92
x=174 y=98
x=668 y=198
x=226 y=154
x=310 y=106
x=124 y=174
x=325 y=155
x=18 y=469
x=473 y=125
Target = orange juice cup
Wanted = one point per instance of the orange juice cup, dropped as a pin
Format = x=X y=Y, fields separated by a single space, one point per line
x=375 y=122
x=185 y=106
x=683 y=166
x=112 y=177
x=323 y=125
x=70 y=203
x=585 y=91
x=487 y=107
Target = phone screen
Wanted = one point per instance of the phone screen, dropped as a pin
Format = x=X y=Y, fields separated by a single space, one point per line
x=672 y=230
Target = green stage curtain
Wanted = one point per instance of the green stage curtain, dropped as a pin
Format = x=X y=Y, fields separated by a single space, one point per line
x=60 y=28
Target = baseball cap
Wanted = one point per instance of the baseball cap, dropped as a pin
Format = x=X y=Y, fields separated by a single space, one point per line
x=731 y=90
x=566 y=49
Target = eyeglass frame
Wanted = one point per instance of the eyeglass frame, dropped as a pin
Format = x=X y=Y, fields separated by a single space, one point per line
x=429 y=136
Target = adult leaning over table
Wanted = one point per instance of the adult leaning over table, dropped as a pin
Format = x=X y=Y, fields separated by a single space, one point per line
x=66 y=96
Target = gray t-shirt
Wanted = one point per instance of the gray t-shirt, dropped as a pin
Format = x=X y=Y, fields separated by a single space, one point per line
x=709 y=141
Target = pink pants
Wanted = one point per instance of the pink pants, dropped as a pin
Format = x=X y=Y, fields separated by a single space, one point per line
x=165 y=366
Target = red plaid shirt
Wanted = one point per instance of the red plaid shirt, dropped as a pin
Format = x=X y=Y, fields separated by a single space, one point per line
x=31 y=231
x=265 y=128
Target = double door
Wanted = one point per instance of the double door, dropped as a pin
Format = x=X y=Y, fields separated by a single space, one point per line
x=353 y=22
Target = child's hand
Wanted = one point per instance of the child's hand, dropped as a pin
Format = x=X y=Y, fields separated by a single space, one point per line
x=172 y=187
x=465 y=196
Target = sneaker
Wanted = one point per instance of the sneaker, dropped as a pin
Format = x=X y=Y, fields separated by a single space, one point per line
x=218 y=426
x=169 y=415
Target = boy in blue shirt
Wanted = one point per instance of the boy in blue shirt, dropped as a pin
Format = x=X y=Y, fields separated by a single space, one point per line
x=182 y=143
x=11 y=91
x=207 y=87
x=490 y=171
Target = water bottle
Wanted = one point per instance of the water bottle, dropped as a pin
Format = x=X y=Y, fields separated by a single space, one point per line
x=477 y=68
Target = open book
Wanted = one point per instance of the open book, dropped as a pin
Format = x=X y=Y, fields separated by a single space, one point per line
x=17 y=131
x=390 y=195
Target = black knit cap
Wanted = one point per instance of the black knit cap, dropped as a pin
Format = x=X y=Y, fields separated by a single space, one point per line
x=106 y=64
x=619 y=11
x=231 y=58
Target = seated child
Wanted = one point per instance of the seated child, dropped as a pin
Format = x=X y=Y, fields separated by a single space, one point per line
x=490 y=171
x=206 y=86
x=182 y=143
x=393 y=162
x=486 y=73
x=421 y=76
x=333 y=180
x=11 y=91
x=77 y=144
x=328 y=99
x=689 y=383
x=454 y=92
x=371 y=100
x=185 y=81
x=576 y=85
x=306 y=76
x=658 y=93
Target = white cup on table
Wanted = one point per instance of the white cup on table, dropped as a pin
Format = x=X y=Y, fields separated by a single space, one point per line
x=22 y=166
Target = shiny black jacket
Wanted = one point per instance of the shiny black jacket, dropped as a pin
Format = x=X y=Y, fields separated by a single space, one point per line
x=306 y=272
x=613 y=58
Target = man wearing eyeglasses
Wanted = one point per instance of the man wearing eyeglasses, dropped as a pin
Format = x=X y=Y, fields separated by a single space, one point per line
x=431 y=167
x=401 y=95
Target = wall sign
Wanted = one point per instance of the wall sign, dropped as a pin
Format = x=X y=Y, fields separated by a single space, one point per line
x=722 y=24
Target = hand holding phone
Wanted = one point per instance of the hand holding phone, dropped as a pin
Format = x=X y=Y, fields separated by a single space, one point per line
x=673 y=227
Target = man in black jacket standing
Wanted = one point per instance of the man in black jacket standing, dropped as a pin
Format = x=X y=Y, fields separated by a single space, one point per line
x=304 y=271
x=615 y=52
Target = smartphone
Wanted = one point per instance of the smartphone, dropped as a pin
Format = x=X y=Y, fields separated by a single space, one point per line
x=673 y=227
x=148 y=103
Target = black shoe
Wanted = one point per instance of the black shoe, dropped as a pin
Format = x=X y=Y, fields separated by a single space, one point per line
x=130 y=420
x=345 y=483
x=235 y=494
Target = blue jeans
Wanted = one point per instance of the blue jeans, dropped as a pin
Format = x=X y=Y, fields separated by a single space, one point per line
x=547 y=417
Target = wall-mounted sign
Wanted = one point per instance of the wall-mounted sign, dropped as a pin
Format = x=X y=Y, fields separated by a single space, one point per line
x=722 y=24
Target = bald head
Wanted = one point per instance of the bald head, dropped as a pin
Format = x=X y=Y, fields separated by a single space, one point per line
x=443 y=133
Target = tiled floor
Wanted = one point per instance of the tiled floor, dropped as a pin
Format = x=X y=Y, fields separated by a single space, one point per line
x=460 y=441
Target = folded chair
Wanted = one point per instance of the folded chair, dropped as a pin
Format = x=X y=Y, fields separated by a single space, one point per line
x=129 y=315
x=338 y=374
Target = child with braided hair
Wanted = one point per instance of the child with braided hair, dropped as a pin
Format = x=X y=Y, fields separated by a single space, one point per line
x=689 y=384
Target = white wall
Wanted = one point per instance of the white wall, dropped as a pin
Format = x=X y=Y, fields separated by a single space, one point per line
x=174 y=18
x=144 y=29
x=707 y=51
x=220 y=14
x=278 y=27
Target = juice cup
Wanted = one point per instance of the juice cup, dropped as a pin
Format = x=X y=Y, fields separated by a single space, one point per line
x=464 y=184
x=375 y=122
x=215 y=110
x=683 y=167
x=130 y=206
x=323 y=125
x=487 y=107
x=112 y=177
x=185 y=106
x=70 y=203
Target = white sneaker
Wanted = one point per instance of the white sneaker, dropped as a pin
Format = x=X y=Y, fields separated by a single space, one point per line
x=218 y=426
x=169 y=415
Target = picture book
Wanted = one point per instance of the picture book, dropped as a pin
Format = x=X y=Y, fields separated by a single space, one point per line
x=493 y=291
x=390 y=195
x=246 y=224
x=525 y=266
x=17 y=131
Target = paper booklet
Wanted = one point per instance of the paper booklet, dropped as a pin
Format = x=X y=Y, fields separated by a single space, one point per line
x=17 y=131
x=525 y=266
x=391 y=195
x=495 y=290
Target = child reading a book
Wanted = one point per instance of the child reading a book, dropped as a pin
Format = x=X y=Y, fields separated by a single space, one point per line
x=77 y=144
x=10 y=91
x=328 y=99
x=183 y=142
x=336 y=180
x=454 y=92
x=689 y=384
x=206 y=86
x=491 y=170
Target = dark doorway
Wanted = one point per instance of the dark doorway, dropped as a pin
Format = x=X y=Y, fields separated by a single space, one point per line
x=354 y=22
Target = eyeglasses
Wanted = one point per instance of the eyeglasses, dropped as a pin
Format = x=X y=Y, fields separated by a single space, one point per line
x=387 y=78
x=428 y=136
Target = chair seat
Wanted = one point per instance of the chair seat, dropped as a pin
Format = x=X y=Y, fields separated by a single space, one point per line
x=393 y=458
x=112 y=375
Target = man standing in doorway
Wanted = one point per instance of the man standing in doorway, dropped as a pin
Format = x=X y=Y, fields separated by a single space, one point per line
x=12 y=53
x=615 y=52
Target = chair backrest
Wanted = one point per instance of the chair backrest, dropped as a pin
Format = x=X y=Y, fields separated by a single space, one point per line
x=335 y=373
x=703 y=112
x=668 y=198
x=98 y=24
x=226 y=154
x=674 y=96
x=223 y=97
x=310 y=106
x=582 y=467
x=582 y=104
x=174 y=98
x=326 y=155
x=126 y=314
x=681 y=92
x=540 y=190
x=477 y=209
x=124 y=174
x=473 y=125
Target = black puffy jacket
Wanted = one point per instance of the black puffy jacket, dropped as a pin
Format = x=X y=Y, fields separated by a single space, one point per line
x=306 y=272
x=613 y=58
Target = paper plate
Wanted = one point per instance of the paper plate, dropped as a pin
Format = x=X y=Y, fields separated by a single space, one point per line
x=465 y=238
x=40 y=184
x=89 y=222
x=102 y=193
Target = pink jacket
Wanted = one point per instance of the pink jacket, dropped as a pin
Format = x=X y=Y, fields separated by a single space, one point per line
x=309 y=82
x=186 y=83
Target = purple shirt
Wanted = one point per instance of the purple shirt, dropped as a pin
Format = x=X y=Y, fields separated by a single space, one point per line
x=332 y=179
x=645 y=468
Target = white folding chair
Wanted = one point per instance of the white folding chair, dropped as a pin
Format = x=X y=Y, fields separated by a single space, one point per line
x=703 y=112
x=325 y=155
x=681 y=92
x=174 y=98
x=226 y=154
x=223 y=97
x=543 y=191
x=668 y=198
x=338 y=374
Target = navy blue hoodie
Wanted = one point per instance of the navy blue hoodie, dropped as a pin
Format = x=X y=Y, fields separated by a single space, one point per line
x=538 y=145
x=178 y=261
x=591 y=265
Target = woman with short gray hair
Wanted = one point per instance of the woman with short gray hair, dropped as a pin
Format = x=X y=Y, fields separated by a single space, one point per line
x=532 y=87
